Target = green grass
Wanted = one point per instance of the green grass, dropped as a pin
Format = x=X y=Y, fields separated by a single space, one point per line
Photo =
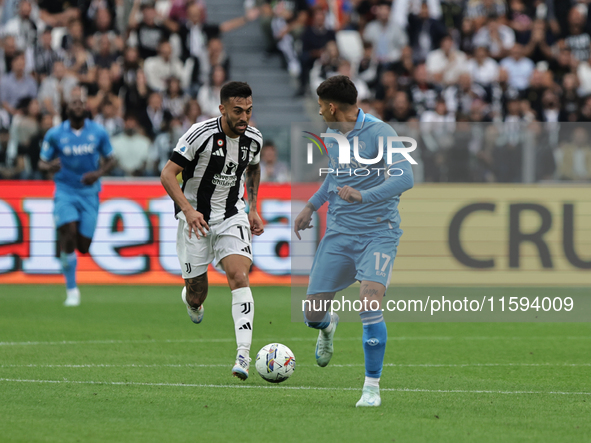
x=526 y=369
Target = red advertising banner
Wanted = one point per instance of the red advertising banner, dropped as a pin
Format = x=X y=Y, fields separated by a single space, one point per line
x=135 y=239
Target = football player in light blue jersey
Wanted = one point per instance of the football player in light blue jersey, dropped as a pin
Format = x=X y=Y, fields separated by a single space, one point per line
x=73 y=151
x=362 y=227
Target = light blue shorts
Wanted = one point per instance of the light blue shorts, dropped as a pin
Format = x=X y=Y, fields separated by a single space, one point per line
x=343 y=259
x=81 y=207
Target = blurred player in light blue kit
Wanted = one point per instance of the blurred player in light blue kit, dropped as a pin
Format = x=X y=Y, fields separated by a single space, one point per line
x=362 y=231
x=73 y=151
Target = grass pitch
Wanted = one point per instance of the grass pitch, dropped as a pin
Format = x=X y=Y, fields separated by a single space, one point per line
x=128 y=365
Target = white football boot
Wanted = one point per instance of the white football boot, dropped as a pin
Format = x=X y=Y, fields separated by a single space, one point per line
x=72 y=297
x=369 y=397
x=241 y=366
x=195 y=314
x=324 y=348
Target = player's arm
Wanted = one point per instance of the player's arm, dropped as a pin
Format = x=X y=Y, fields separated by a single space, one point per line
x=48 y=160
x=401 y=180
x=304 y=218
x=168 y=179
x=108 y=160
x=253 y=178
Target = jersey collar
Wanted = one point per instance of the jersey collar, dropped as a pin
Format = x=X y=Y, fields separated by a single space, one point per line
x=77 y=132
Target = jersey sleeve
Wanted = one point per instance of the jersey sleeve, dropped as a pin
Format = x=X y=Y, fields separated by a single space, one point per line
x=321 y=196
x=105 y=148
x=49 y=148
x=185 y=150
x=256 y=135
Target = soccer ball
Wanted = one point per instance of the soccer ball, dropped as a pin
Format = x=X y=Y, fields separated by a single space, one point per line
x=275 y=362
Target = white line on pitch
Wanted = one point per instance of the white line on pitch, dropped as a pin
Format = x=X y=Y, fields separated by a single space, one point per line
x=270 y=340
x=307 y=388
x=394 y=365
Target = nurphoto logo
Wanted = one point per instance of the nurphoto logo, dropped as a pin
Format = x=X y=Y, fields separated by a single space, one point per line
x=360 y=163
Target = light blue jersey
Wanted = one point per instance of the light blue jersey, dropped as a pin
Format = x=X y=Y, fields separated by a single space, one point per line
x=380 y=192
x=79 y=152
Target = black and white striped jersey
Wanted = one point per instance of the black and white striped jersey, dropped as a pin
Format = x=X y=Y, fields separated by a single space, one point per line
x=214 y=165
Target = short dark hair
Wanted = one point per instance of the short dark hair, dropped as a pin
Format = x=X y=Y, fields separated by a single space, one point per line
x=235 y=89
x=338 y=89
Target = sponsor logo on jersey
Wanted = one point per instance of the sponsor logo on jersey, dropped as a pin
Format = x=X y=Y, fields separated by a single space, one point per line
x=84 y=149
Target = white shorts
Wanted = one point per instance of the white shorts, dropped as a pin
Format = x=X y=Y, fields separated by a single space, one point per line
x=232 y=236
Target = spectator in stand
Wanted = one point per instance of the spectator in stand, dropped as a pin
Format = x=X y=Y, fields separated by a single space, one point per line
x=22 y=27
x=74 y=34
x=163 y=145
x=287 y=19
x=56 y=88
x=326 y=66
x=368 y=66
x=135 y=98
x=7 y=169
x=272 y=169
x=499 y=38
x=161 y=67
x=423 y=93
x=149 y=31
x=57 y=12
x=107 y=117
x=130 y=65
x=404 y=69
x=157 y=115
x=570 y=99
x=103 y=91
x=209 y=95
x=362 y=89
x=314 y=40
x=459 y=97
x=479 y=10
x=46 y=56
x=578 y=41
x=444 y=65
x=97 y=16
x=16 y=85
x=520 y=21
x=483 y=69
x=80 y=63
x=387 y=37
x=584 y=78
x=31 y=153
x=519 y=67
x=424 y=33
x=192 y=115
x=25 y=125
x=131 y=149
x=173 y=99
x=563 y=64
x=217 y=55
x=103 y=26
x=402 y=111
x=105 y=56
x=539 y=46
x=194 y=36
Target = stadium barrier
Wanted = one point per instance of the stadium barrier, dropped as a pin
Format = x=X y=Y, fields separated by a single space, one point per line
x=501 y=235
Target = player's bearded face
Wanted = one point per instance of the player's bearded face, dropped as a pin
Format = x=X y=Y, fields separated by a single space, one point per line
x=76 y=109
x=237 y=112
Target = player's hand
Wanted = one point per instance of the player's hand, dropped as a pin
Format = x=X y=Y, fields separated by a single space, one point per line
x=256 y=224
x=55 y=165
x=350 y=194
x=197 y=223
x=302 y=221
x=90 y=177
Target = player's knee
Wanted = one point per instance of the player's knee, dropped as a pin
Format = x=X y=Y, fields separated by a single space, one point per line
x=238 y=278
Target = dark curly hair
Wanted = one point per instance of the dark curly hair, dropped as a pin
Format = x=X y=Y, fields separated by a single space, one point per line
x=339 y=89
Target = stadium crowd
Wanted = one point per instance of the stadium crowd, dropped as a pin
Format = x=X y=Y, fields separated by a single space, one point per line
x=150 y=70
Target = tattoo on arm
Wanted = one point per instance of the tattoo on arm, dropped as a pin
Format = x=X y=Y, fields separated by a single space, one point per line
x=196 y=290
x=253 y=178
